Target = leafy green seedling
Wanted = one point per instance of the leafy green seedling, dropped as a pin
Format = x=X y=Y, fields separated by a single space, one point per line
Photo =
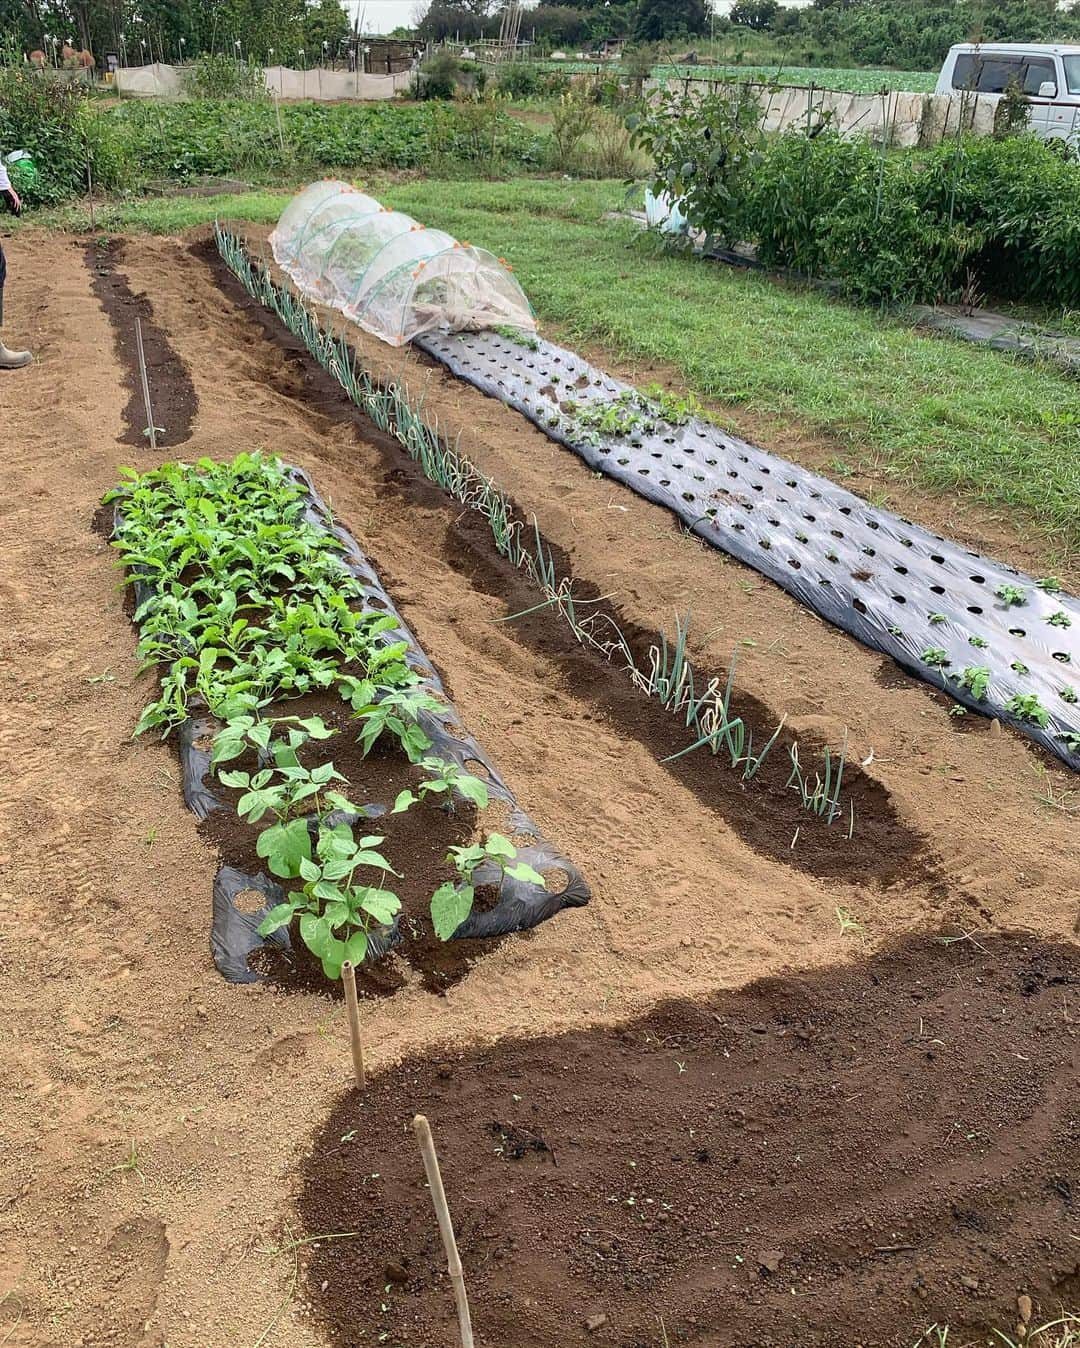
x=1011 y=595
x=452 y=902
x=443 y=777
x=1068 y=694
x=1050 y=585
x=1059 y=619
x=336 y=912
x=1019 y=667
x=935 y=656
x=976 y=679
x=936 y=619
x=980 y=643
x=1028 y=708
x=289 y=793
x=396 y=713
x=1072 y=741
x=245 y=732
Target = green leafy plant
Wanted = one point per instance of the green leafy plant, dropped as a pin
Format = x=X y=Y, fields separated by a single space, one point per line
x=1072 y=741
x=935 y=656
x=1068 y=694
x=976 y=679
x=395 y=713
x=1059 y=619
x=1011 y=595
x=979 y=642
x=1019 y=667
x=443 y=778
x=336 y=911
x=289 y=793
x=244 y=733
x=936 y=619
x=1028 y=708
x=1050 y=585
x=452 y=902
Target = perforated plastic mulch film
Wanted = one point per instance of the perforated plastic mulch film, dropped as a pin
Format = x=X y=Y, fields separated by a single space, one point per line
x=1001 y=643
x=390 y=274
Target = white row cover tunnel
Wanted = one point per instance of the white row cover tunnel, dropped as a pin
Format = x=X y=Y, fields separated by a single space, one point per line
x=388 y=273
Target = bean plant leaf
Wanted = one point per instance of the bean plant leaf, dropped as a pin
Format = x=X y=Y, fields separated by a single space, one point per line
x=286 y=848
x=450 y=905
x=522 y=871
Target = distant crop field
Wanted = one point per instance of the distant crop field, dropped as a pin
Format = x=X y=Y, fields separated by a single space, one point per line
x=867 y=80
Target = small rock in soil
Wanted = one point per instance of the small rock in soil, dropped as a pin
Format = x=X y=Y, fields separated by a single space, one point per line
x=396 y=1273
x=595 y=1322
x=1023 y=1305
x=966 y=1280
x=770 y=1260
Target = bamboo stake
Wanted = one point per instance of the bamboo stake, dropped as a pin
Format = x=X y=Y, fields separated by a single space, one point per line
x=422 y=1129
x=348 y=977
x=151 y=429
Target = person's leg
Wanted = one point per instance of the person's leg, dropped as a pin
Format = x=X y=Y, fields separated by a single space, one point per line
x=9 y=360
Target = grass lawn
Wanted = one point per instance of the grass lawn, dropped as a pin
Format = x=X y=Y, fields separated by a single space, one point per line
x=935 y=411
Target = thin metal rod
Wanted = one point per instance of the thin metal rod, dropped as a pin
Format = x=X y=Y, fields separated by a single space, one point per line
x=151 y=429
x=348 y=977
x=422 y=1129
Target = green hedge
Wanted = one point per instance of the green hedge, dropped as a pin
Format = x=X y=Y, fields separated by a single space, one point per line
x=128 y=144
x=230 y=136
x=914 y=225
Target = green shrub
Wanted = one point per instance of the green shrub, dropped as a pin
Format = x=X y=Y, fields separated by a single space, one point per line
x=49 y=119
x=913 y=226
x=520 y=79
x=215 y=75
x=214 y=137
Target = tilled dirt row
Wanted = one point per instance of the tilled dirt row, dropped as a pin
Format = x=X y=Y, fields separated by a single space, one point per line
x=832 y=1159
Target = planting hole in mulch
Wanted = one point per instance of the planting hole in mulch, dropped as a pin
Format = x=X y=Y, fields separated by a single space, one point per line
x=816 y=1161
x=172 y=393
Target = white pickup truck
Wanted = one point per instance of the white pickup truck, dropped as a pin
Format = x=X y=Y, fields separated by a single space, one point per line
x=1048 y=75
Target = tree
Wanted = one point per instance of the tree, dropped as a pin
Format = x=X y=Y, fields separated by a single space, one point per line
x=656 y=20
x=326 y=26
x=757 y=14
x=448 y=18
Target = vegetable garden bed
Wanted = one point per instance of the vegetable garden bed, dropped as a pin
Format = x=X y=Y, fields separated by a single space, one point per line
x=273 y=636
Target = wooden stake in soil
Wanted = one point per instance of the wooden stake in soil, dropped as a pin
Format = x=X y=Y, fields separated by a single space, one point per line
x=422 y=1129
x=151 y=429
x=348 y=977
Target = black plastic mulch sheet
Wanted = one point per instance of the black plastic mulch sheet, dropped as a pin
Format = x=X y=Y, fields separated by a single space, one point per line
x=521 y=905
x=893 y=585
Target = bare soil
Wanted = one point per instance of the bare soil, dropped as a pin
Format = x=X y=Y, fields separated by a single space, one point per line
x=127 y=1037
x=835 y=1158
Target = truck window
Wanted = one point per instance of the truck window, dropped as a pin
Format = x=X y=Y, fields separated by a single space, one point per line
x=1037 y=72
x=997 y=72
x=1072 y=73
x=964 y=71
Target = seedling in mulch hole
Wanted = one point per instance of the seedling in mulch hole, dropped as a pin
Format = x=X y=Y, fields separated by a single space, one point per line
x=1050 y=585
x=1068 y=694
x=674 y=410
x=976 y=679
x=1011 y=594
x=896 y=631
x=1019 y=667
x=1072 y=741
x=288 y=793
x=1059 y=619
x=980 y=643
x=242 y=733
x=397 y=712
x=1028 y=708
x=520 y=337
x=937 y=618
x=452 y=902
x=934 y=655
x=443 y=777
x=331 y=902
